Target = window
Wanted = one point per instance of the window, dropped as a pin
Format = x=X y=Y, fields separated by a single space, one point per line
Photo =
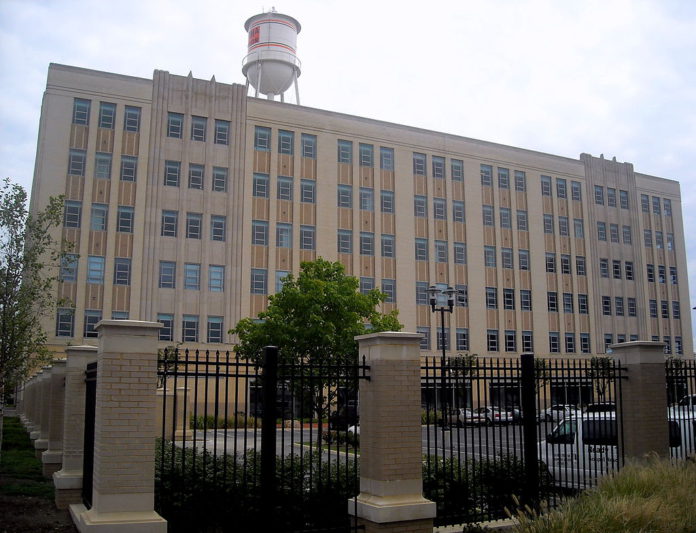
x=486 y=175
x=664 y=307
x=107 y=113
x=419 y=164
x=367 y=200
x=95 y=269
x=438 y=167
x=563 y=228
x=525 y=300
x=389 y=288
x=576 y=191
x=565 y=264
x=489 y=259
x=286 y=142
x=367 y=243
x=458 y=214
x=124 y=223
x=503 y=178
x=421 y=249
x=570 y=342
x=189 y=328
x=345 y=151
x=386 y=158
x=650 y=270
x=366 y=284
x=386 y=201
x=102 y=166
x=462 y=339
x=192 y=276
x=172 y=173
x=627 y=237
x=661 y=273
x=611 y=197
x=366 y=155
x=546 y=185
x=129 y=168
x=656 y=205
x=491 y=298
x=462 y=295
x=509 y=299
x=68 y=268
x=522 y=222
x=345 y=196
x=554 y=342
x=506 y=258
x=65 y=322
x=619 y=306
x=259 y=232
x=307 y=191
x=457 y=169
x=580 y=265
x=488 y=219
x=667 y=205
x=606 y=305
x=614 y=232
x=167 y=275
x=601 y=231
x=441 y=251
x=527 y=341
x=309 y=145
x=260 y=186
x=548 y=223
x=98 y=217
x=631 y=305
x=307 y=238
x=460 y=253
x=215 y=329
x=673 y=275
x=345 y=241
x=195 y=180
x=262 y=139
x=616 y=269
x=76 y=162
x=644 y=203
x=421 y=293
x=628 y=270
x=585 y=342
x=194 y=221
x=579 y=228
x=659 y=243
x=170 y=221
x=510 y=340
x=92 y=318
x=550 y=262
x=599 y=194
x=623 y=199
x=216 y=278
x=175 y=125
x=166 y=332
x=492 y=340
x=505 y=218
x=218 y=227
x=552 y=301
x=420 y=207
x=199 y=125
x=439 y=209
x=520 y=181
x=670 y=241
x=122 y=271
x=285 y=187
x=425 y=339
x=283 y=235
x=222 y=132
x=523 y=259
x=259 y=281
x=387 y=245
x=582 y=304
x=653 y=308
x=647 y=238
x=131 y=119
x=604 y=267
x=219 y=179
x=81 y=112
x=561 y=188
x=280 y=277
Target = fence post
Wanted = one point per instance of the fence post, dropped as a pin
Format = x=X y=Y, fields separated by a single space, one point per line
x=123 y=489
x=391 y=458
x=642 y=408
x=52 y=458
x=44 y=392
x=529 y=428
x=268 y=431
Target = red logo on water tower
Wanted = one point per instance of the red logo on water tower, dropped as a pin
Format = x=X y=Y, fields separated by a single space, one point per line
x=254 y=35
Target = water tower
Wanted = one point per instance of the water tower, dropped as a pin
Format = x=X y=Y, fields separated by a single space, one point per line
x=271 y=65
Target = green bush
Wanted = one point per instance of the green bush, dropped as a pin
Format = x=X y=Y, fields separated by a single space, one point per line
x=240 y=420
x=341 y=438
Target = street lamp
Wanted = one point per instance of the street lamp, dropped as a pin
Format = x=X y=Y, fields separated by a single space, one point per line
x=442 y=300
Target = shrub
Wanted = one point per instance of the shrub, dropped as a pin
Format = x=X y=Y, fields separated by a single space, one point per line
x=240 y=420
x=341 y=438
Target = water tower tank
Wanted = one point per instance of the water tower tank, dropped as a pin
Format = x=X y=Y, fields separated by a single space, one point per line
x=271 y=65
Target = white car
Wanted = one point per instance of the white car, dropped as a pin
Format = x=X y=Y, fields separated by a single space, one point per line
x=556 y=413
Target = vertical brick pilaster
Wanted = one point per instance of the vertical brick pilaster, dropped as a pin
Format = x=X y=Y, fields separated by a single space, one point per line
x=643 y=409
x=124 y=436
x=42 y=412
x=52 y=458
x=391 y=484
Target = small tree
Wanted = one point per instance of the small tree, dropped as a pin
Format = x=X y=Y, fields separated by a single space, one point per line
x=26 y=291
x=601 y=372
x=314 y=320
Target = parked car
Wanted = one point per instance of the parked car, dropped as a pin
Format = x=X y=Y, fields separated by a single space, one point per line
x=600 y=407
x=459 y=417
x=688 y=401
x=556 y=413
x=490 y=416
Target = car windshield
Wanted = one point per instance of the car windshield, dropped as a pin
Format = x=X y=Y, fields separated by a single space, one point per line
x=567 y=427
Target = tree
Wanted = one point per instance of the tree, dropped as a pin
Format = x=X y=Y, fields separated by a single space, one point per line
x=26 y=291
x=602 y=373
x=314 y=320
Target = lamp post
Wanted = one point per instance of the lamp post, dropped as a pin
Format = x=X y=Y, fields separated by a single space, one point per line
x=442 y=300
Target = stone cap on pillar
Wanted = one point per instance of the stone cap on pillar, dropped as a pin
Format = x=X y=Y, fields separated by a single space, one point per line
x=126 y=336
x=390 y=345
x=639 y=352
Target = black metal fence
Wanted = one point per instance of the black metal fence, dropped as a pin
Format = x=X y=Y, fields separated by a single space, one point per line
x=88 y=442
x=256 y=446
x=681 y=397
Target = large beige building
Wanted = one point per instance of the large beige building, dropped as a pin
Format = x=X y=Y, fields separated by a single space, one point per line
x=188 y=201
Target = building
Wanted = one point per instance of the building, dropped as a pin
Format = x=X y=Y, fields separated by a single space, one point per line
x=188 y=201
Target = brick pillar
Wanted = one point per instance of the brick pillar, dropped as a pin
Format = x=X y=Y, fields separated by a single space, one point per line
x=53 y=456
x=42 y=412
x=68 y=480
x=33 y=418
x=124 y=439
x=643 y=409
x=391 y=479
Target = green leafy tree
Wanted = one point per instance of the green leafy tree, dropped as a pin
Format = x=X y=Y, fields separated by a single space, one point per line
x=602 y=372
x=27 y=292
x=314 y=320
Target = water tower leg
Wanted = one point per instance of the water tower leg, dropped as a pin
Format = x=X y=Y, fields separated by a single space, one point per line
x=282 y=97
x=297 y=92
x=258 y=80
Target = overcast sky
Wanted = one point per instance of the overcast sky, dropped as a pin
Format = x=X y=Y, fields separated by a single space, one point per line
x=563 y=77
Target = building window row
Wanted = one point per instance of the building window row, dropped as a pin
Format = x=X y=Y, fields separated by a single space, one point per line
x=438 y=167
x=191 y=276
x=510 y=338
x=285 y=188
x=616 y=270
x=659 y=274
x=614 y=235
x=504 y=181
x=662 y=241
x=622 y=306
x=664 y=309
x=611 y=197
x=198 y=128
x=169 y=225
x=190 y=328
x=107 y=115
x=196 y=176
x=564 y=229
x=565 y=264
x=566 y=302
x=286 y=142
x=561 y=188
x=569 y=342
x=658 y=205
